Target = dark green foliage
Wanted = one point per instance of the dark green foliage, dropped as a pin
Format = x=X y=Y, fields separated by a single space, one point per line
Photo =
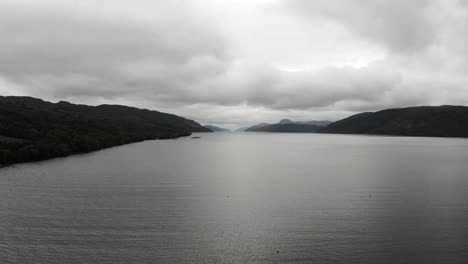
x=32 y=129
x=430 y=121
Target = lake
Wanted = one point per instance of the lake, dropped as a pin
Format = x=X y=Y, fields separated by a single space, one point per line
x=242 y=198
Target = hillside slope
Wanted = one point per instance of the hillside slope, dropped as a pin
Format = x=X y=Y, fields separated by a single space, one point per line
x=434 y=121
x=33 y=129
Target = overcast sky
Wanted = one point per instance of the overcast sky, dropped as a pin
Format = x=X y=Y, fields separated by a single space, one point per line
x=238 y=62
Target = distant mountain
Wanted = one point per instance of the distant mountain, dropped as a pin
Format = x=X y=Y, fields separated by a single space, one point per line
x=285 y=121
x=241 y=129
x=33 y=129
x=256 y=127
x=318 y=123
x=434 y=121
x=288 y=126
x=216 y=128
x=285 y=128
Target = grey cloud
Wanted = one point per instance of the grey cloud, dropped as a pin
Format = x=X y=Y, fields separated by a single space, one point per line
x=326 y=87
x=399 y=25
x=265 y=86
x=274 y=89
x=181 y=62
x=72 y=55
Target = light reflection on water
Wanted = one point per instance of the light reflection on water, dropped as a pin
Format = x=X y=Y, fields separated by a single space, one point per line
x=242 y=198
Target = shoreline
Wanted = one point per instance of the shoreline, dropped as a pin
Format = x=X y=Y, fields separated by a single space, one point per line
x=94 y=150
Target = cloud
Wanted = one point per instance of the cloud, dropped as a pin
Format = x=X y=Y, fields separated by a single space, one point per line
x=325 y=87
x=240 y=61
x=72 y=54
x=401 y=26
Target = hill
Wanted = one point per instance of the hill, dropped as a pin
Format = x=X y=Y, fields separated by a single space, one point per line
x=321 y=123
x=216 y=128
x=241 y=129
x=431 y=121
x=33 y=129
x=288 y=126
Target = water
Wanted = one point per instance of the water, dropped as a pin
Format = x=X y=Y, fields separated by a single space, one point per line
x=242 y=198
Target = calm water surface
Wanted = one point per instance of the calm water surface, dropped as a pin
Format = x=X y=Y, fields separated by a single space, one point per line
x=242 y=198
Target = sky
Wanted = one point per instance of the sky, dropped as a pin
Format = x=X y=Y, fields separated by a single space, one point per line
x=236 y=63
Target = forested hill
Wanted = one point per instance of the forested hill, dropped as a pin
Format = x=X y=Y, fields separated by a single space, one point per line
x=33 y=129
x=430 y=121
x=288 y=126
x=284 y=128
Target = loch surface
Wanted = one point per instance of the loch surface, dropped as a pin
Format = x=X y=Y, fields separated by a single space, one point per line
x=242 y=198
